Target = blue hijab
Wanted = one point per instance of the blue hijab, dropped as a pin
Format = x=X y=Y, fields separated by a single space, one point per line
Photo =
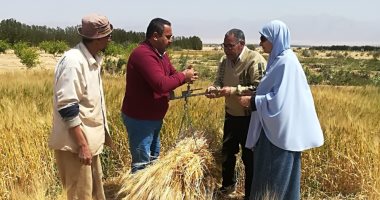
x=285 y=105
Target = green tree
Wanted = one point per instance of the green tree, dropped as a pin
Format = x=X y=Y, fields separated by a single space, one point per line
x=3 y=46
x=54 y=47
x=114 y=49
x=28 y=55
x=14 y=31
x=19 y=47
x=192 y=42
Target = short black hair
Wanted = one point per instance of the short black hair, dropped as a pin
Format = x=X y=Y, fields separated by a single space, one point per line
x=156 y=25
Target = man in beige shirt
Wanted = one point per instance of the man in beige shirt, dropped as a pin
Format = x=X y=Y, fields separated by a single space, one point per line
x=239 y=72
x=79 y=115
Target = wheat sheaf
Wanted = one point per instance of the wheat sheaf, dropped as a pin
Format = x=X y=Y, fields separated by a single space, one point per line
x=185 y=172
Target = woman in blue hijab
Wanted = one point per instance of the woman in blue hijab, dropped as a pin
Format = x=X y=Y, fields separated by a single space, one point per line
x=284 y=121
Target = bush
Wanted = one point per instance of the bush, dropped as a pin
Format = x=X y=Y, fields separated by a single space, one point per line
x=182 y=62
x=338 y=55
x=114 y=65
x=19 y=47
x=129 y=50
x=376 y=80
x=54 y=47
x=313 y=78
x=326 y=73
x=376 y=55
x=206 y=73
x=308 y=53
x=3 y=46
x=114 y=49
x=344 y=77
x=109 y=65
x=28 y=55
x=119 y=65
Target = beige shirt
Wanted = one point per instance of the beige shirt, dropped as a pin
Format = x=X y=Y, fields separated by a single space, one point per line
x=246 y=72
x=78 y=81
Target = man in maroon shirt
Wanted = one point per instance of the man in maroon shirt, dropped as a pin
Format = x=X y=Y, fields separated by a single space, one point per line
x=150 y=78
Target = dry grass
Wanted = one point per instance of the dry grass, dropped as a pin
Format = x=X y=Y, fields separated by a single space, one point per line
x=347 y=166
x=185 y=172
x=37 y=192
x=26 y=117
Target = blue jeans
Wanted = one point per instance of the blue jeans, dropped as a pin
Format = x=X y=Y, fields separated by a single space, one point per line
x=276 y=171
x=144 y=140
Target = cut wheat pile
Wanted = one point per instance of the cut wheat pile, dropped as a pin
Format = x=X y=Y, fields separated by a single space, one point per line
x=185 y=172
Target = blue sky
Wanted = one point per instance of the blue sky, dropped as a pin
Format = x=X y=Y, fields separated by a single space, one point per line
x=319 y=22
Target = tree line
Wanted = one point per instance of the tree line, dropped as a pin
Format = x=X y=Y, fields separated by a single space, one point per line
x=14 y=32
x=346 y=48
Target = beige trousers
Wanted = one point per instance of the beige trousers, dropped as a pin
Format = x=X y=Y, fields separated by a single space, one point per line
x=81 y=182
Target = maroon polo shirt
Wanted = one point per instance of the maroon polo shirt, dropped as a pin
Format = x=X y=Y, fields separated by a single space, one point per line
x=150 y=77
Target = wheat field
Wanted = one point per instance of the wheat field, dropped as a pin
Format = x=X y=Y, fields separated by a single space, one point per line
x=347 y=166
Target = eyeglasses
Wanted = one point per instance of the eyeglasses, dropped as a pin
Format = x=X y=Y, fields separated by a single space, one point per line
x=169 y=37
x=229 y=46
x=263 y=39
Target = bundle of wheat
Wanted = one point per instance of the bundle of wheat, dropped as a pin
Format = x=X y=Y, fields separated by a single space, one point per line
x=185 y=172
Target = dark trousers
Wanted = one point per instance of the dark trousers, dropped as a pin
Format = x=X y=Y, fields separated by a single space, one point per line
x=235 y=133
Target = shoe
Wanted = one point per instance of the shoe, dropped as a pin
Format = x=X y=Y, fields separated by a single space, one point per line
x=226 y=190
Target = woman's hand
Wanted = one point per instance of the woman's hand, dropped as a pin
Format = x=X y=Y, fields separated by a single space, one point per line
x=245 y=101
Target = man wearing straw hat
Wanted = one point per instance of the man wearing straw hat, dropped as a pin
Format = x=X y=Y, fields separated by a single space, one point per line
x=79 y=115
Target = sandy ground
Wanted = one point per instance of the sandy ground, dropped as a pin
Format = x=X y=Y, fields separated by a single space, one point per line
x=330 y=54
x=9 y=61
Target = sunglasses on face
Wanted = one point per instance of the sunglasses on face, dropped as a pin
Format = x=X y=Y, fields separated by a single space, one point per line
x=169 y=37
x=263 y=39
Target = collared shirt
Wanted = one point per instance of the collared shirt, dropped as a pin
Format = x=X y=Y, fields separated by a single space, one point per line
x=246 y=71
x=78 y=83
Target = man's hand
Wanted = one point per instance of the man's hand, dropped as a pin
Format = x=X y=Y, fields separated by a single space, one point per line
x=85 y=155
x=190 y=74
x=212 y=92
x=225 y=91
